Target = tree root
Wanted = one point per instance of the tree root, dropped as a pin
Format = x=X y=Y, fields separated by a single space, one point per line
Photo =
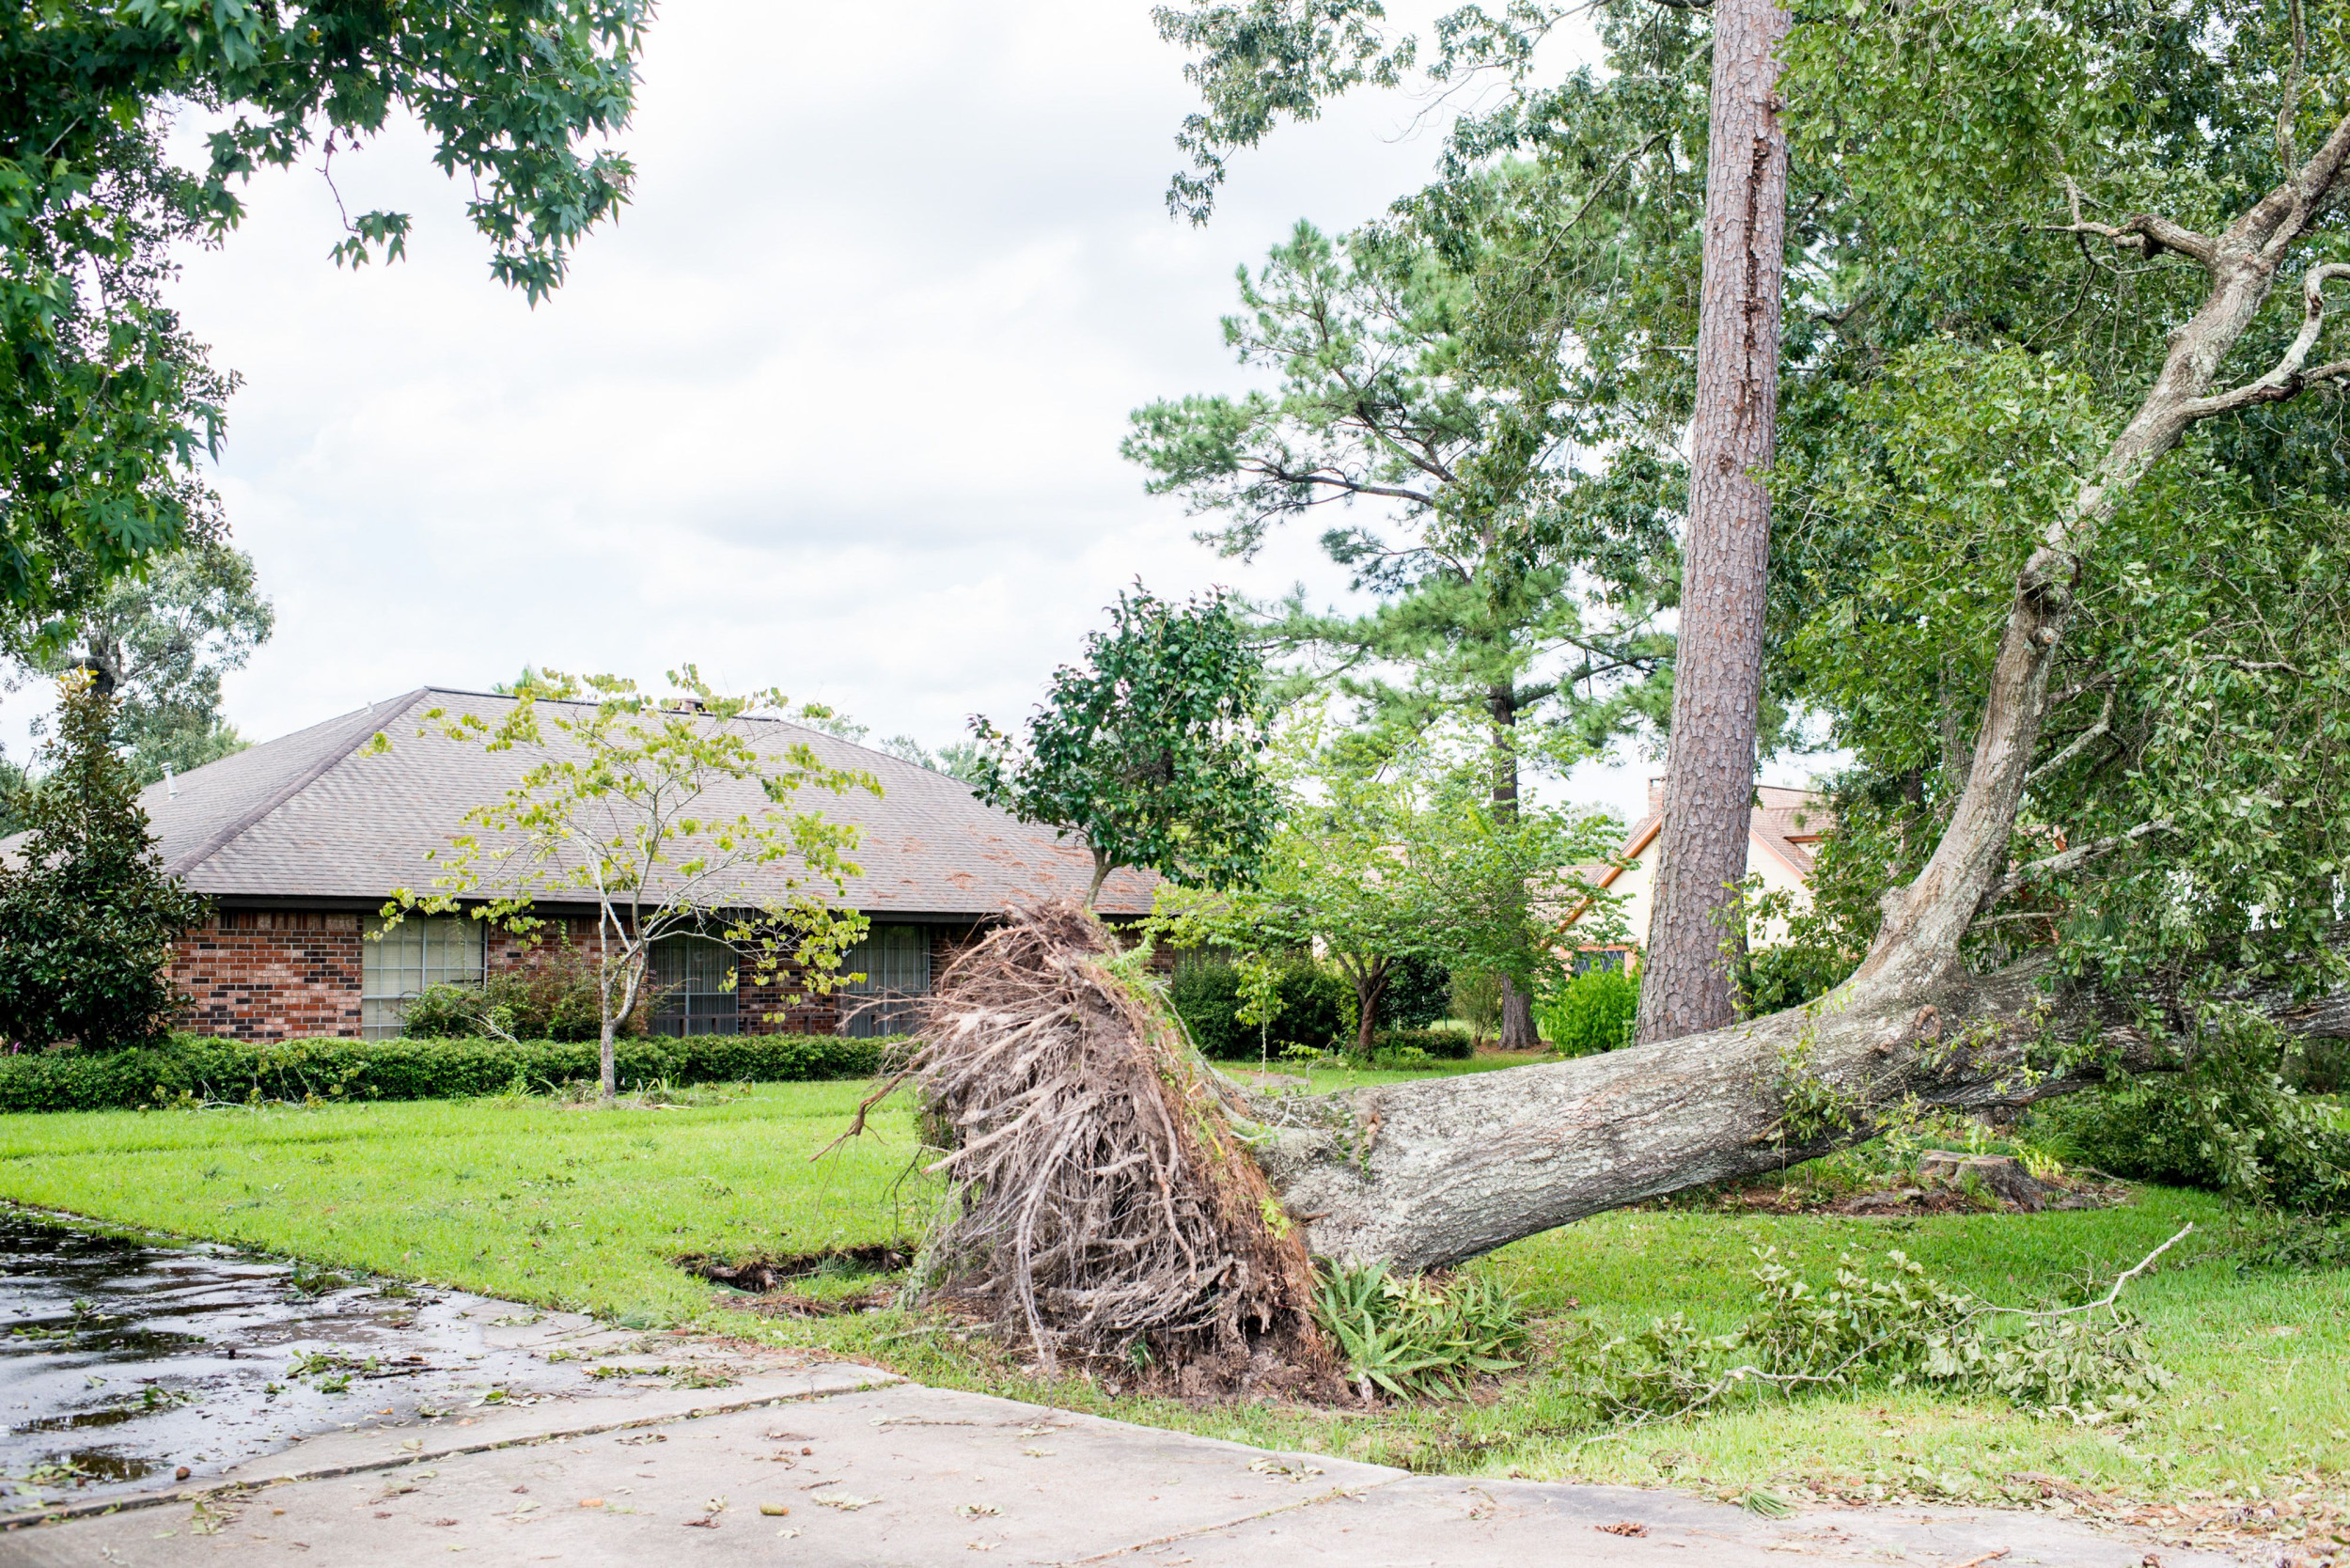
x=1103 y=1206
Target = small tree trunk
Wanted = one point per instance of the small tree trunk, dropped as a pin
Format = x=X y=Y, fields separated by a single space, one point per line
x=1101 y=875
x=610 y=1070
x=1370 y=983
x=1717 y=672
x=1518 y=1032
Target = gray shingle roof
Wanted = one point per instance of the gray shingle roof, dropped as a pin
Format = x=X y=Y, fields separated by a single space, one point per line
x=312 y=815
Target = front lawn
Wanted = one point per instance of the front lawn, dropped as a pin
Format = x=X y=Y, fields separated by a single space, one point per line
x=526 y=1198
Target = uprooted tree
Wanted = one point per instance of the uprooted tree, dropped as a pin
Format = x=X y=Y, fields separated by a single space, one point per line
x=2085 y=626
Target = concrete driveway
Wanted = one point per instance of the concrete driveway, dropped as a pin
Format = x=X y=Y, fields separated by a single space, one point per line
x=843 y=1465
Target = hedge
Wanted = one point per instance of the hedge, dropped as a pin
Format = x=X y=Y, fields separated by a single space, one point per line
x=1317 y=1011
x=1444 y=1044
x=237 y=1070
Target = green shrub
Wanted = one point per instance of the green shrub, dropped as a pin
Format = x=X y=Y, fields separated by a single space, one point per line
x=1443 y=1044
x=1774 y=979
x=2230 y=1122
x=1317 y=1010
x=195 y=1068
x=1413 y=1336
x=1597 y=1010
x=550 y=995
x=1476 y=1001
x=1419 y=992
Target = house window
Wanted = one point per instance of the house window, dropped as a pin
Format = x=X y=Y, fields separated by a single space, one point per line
x=895 y=963
x=694 y=978
x=398 y=962
x=1589 y=959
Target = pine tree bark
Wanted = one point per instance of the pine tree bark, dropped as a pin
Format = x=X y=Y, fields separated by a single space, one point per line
x=1518 y=1032
x=1717 y=672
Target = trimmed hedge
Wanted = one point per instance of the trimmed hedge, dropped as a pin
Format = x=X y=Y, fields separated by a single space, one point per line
x=1317 y=1011
x=1444 y=1044
x=217 y=1070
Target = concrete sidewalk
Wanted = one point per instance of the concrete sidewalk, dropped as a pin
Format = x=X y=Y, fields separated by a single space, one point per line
x=838 y=1465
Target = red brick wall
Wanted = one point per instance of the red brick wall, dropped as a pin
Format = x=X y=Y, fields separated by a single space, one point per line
x=267 y=974
x=283 y=975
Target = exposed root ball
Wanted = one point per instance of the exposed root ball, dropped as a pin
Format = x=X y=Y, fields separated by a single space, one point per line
x=1105 y=1208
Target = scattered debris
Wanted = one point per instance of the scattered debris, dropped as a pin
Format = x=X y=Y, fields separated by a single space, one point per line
x=1623 y=1526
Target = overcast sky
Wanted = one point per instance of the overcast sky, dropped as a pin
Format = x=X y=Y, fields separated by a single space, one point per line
x=834 y=406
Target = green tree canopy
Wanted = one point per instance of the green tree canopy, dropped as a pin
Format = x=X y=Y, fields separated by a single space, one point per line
x=1381 y=861
x=165 y=637
x=107 y=404
x=1151 y=751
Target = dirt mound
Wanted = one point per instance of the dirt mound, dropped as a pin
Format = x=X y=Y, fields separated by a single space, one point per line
x=1104 y=1208
x=772 y=1273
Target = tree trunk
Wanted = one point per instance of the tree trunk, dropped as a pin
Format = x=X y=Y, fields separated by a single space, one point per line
x=1518 y=1032
x=606 y=1066
x=1370 y=983
x=1429 y=1172
x=1717 y=671
x=1101 y=875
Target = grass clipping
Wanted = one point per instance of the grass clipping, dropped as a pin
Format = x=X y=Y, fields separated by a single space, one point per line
x=1103 y=1207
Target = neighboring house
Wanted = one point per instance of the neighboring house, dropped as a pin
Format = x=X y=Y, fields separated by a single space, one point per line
x=299 y=842
x=1781 y=834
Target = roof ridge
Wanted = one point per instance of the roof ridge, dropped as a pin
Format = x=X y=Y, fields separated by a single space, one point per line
x=785 y=720
x=237 y=826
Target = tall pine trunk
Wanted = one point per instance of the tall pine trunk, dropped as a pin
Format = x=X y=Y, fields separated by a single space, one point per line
x=1717 y=674
x=1517 y=1009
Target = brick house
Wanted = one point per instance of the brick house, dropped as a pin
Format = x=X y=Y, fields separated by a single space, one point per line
x=298 y=843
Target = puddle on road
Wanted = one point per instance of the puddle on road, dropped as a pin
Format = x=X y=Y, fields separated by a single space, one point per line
x=124 y=1358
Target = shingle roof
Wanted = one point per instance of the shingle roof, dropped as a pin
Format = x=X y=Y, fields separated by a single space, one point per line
x=314 y=815
x=1785 y=821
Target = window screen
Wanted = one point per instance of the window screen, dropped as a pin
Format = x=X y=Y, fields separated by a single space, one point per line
x=421 y=951
x=895 y=963
x=694 y=975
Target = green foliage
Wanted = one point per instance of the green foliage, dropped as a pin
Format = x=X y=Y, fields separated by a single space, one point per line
x=1956 y=364
x=1417 y=1337
x=1507 y=610
x=12 y=798
x=616 y=810
x=2089 y=1364
x=1419 y=992
x=1150 y=752
x=1417 y=1047
x=165 y=637
x=1374 y=866
x=552 y=994
x=109 y=405
x=1316 y=1011
x=2228 y=1120
x=1476 y=1000
x=191 y=1070
x=1594 y=1012
x=87 y=913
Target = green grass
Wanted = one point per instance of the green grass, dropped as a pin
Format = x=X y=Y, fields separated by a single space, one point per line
x=512 y=1197
x=585 y=1208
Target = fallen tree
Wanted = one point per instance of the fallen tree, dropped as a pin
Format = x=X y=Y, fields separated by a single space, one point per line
x=1428 y=1173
